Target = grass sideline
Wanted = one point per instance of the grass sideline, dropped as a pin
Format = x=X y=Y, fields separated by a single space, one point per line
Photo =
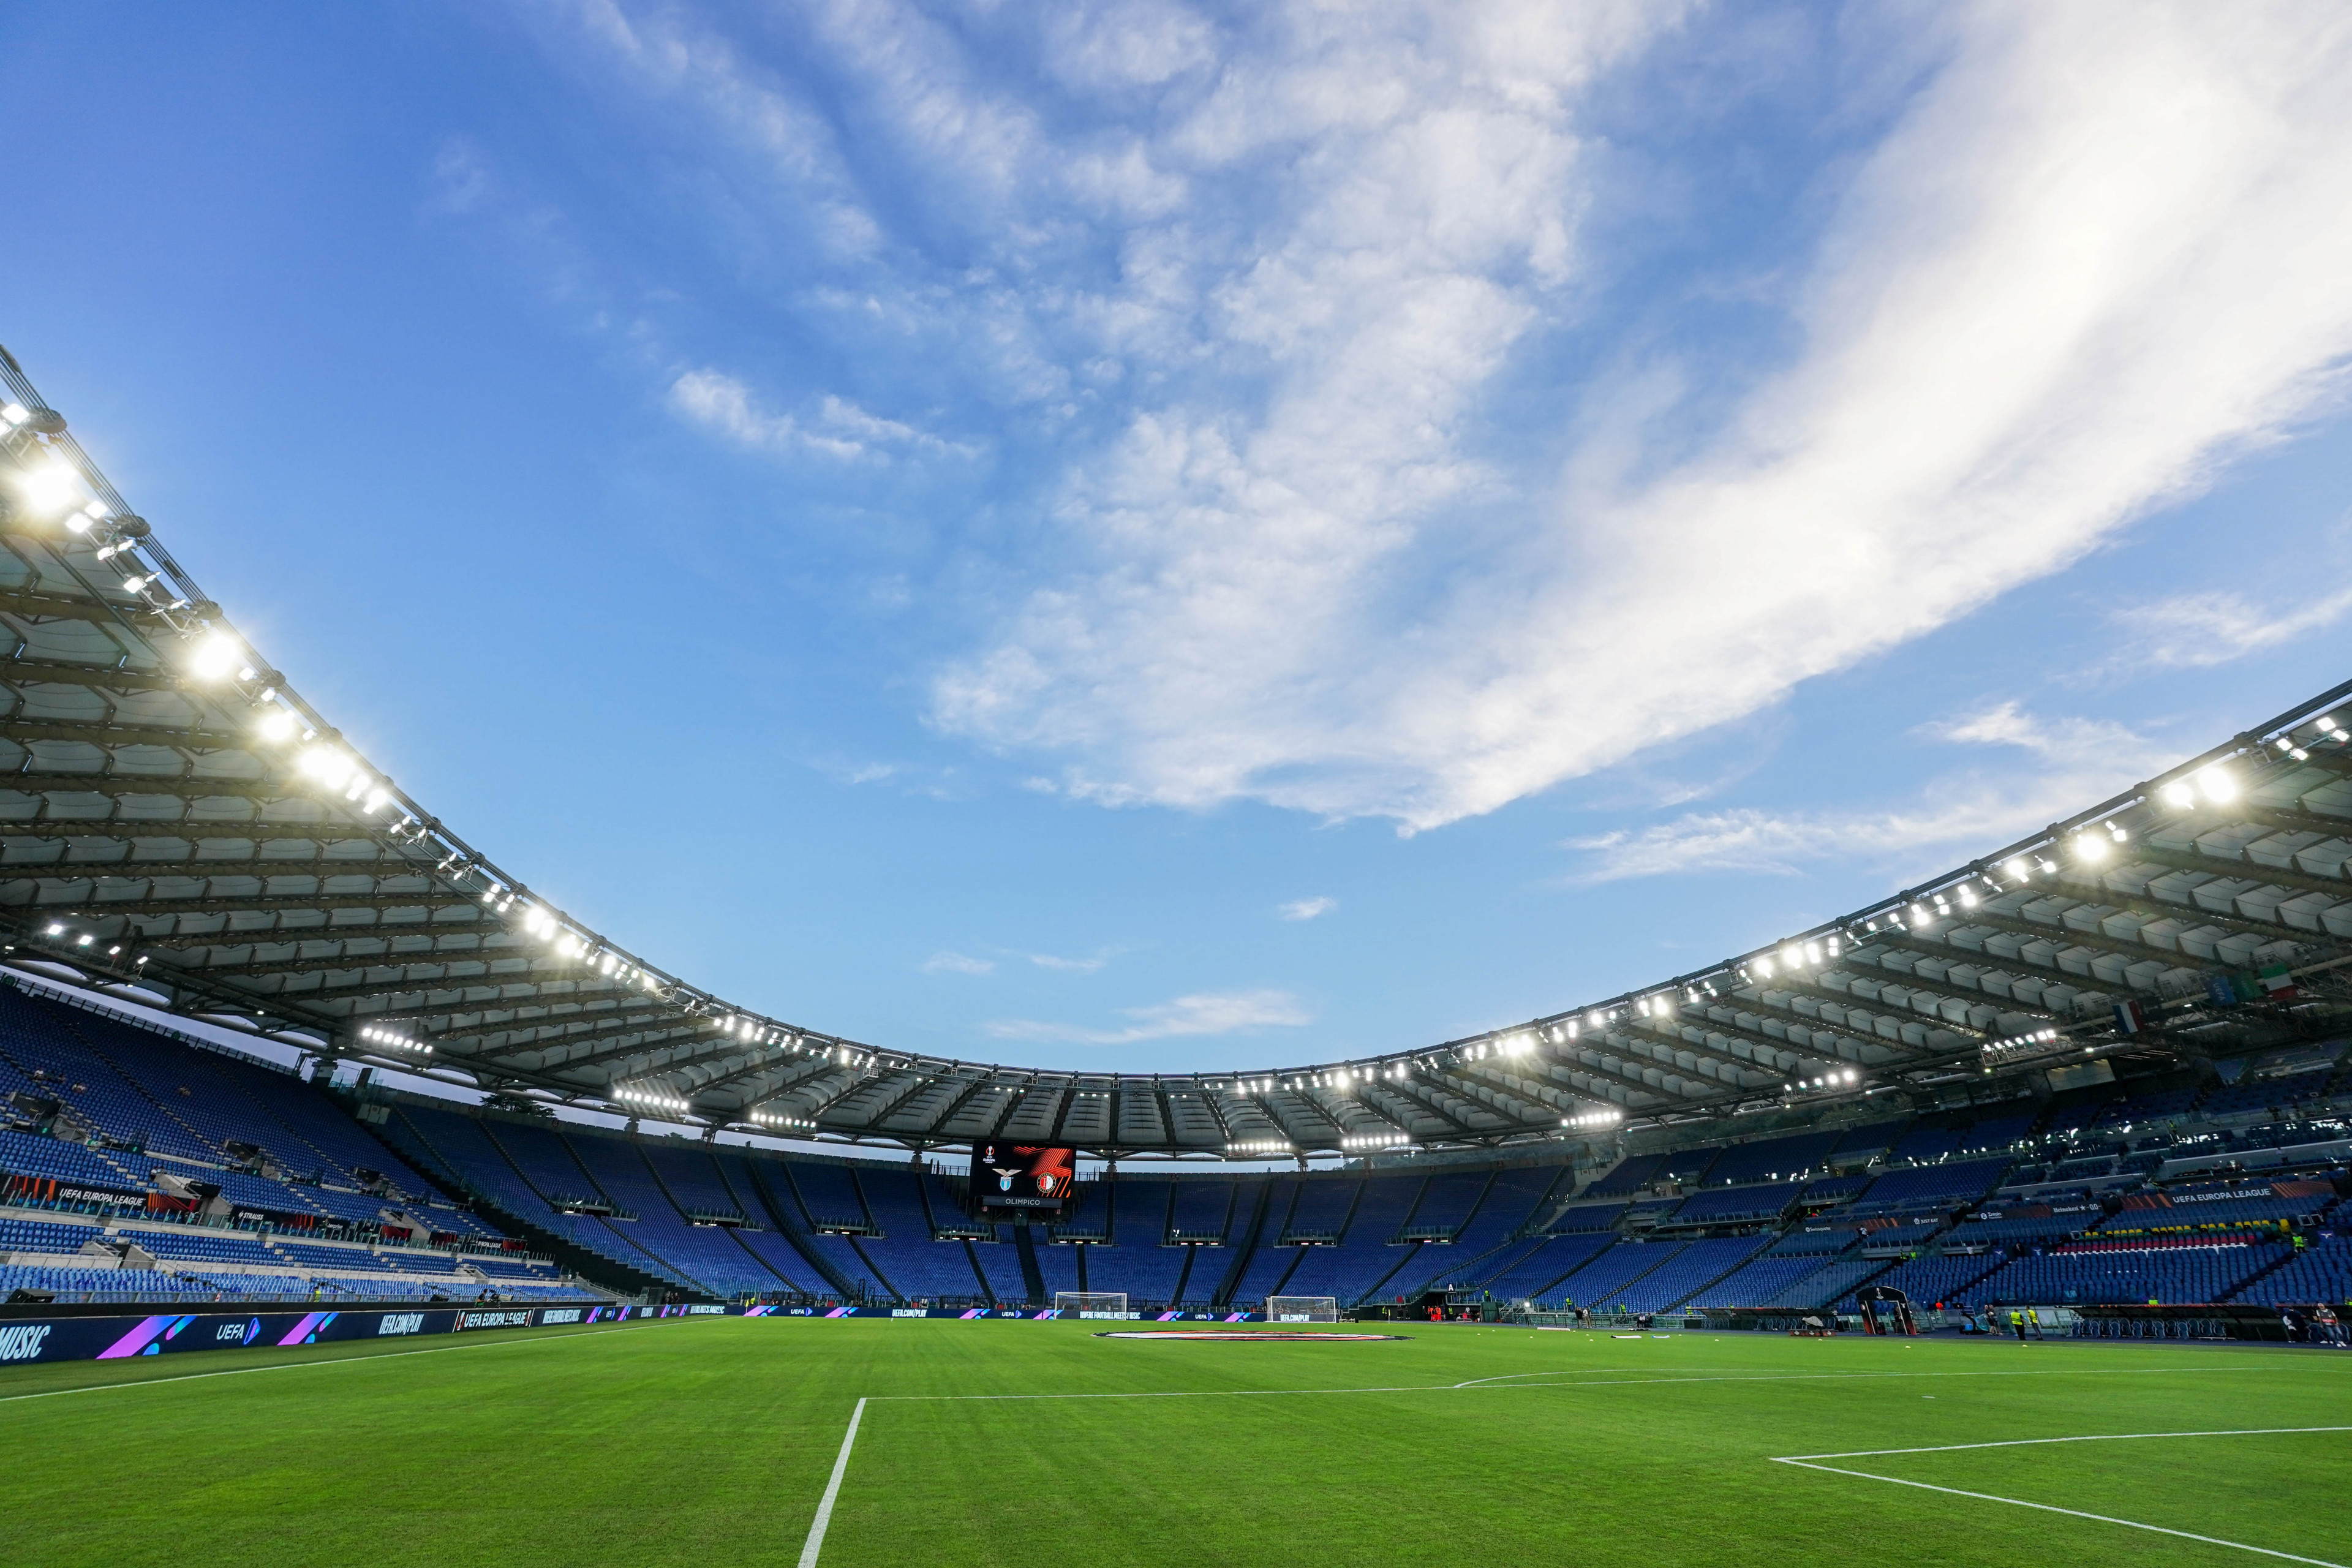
x=712 y=1440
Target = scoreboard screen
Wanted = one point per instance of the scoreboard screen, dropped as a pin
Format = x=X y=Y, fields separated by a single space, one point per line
x=1022 y=1176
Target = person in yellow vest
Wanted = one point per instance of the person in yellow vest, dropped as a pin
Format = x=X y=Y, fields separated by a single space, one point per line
x=2017 y=1324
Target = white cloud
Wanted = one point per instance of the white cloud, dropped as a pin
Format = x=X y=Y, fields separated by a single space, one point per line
x=1069 y=965
x=1307 y=908
x=2196 y=631
x=2102 y=252
x=1276 y=275
x=958 y=964
x=839 y=428
x=2073 y=762
x=1209 y=1013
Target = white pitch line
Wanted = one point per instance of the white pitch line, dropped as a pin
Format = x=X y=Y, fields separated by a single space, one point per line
x=2074 y=1512
x=1810 y=1377
x=832 y=1489
x=816 y=1543
x=305 y=1365
x=1590 y=1382
x=2032 y=1442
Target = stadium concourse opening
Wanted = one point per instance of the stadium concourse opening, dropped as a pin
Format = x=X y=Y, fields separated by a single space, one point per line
x=1899 y=1177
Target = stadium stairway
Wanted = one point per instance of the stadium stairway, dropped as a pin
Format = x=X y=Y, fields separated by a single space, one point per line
x=596 y=1267
x=1246 y=1247
x=1031 y=1275
x=749 y=1181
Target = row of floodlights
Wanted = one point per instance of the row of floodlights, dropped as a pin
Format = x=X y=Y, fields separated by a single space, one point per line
x=1376 y=1141
x=1599 y=1116
x=2020 y=1042
x=771 y=1119
x=53 y=487
x=58 y=927
x=382 y=1035
x=649 y=1099
x=1261 y=1146
x=2328 y=727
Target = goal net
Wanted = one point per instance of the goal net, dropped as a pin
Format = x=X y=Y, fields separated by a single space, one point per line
x=1302 y=1308
x=1091 y=1303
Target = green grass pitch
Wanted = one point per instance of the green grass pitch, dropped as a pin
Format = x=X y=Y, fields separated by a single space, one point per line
x=710 y=1441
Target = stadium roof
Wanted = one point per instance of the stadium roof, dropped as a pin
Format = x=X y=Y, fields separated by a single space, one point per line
x=182 y=829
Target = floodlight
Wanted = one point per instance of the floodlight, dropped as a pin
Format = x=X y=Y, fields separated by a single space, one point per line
x=326 y=765
x=2216 y=784
x=2090 y=848
x=214 y=655
x=49 y=488
x=2178 y=793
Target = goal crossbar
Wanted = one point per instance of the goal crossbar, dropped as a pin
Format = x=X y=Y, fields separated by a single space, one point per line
x=1302 y=1308
x=1091 y=1303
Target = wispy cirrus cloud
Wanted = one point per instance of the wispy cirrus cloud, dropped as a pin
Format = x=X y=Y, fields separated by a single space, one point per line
x=952 y=963
x=1293 y=312
x=1203 y=1014
x=1070 y=965
x=835 y=428
x=2071 y=762
x=2198 y=631
x=2006 y=350
x=1307 y=908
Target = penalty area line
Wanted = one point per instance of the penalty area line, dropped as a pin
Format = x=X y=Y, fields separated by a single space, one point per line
x=1807 y=1463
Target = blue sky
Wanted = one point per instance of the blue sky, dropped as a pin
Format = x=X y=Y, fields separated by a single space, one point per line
x=1155 y=536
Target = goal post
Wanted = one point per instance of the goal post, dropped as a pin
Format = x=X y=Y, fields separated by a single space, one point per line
x=1091 y=1303
x=1302 y=1308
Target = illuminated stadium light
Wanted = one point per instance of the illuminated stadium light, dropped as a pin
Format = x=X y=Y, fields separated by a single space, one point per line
x=2216 y=784
x=2021 y=1045
x=50 y=487
x=2090 y=848
x=631 y=1095
x=1261 y=1146
x=2179 y=792
x=771 y=1119
x=1377 y=1141
x=213 y=655
x=54 y=929
x=384 y=1035
x=326 y=765
x=1599 y=1116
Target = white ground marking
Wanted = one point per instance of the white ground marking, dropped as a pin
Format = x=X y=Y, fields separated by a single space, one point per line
x=832 y=1489
x=2037 y=1442
x=817 y=1527
x=1805 y=1461
x=306 y=1365
x=1506 y=1379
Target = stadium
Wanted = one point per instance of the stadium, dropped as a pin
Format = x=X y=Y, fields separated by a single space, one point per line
x=2004 y=1218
